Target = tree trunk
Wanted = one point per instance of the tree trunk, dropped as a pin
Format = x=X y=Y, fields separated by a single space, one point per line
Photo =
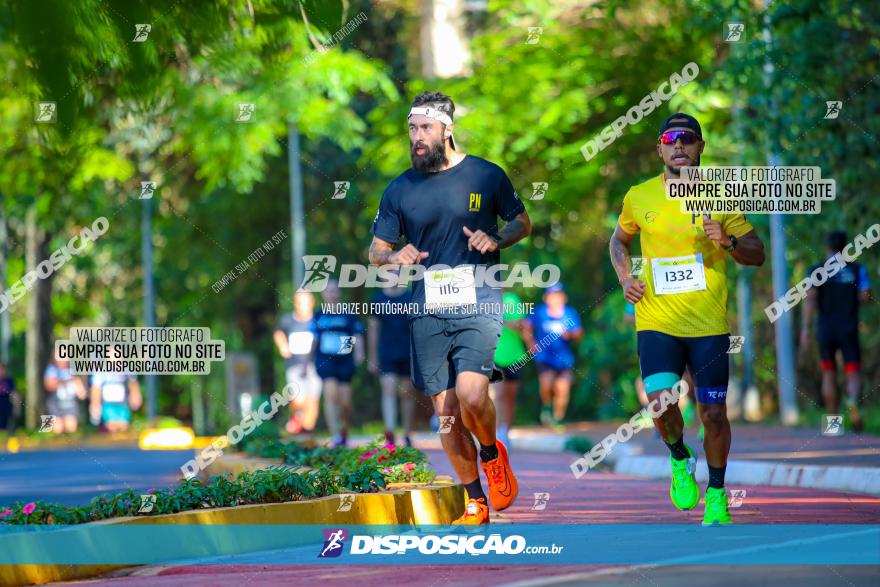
x=445 y=51
x=39 y=320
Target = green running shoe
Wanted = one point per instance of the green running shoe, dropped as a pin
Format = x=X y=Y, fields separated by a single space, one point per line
x=684 y=491
x=547 y=415
x=716 y=508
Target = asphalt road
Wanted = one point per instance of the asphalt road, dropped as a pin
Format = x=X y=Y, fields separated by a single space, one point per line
x=73 y=475
x=594 y=500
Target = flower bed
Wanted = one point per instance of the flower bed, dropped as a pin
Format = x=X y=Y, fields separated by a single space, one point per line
x=328 y=472
x=397 y=464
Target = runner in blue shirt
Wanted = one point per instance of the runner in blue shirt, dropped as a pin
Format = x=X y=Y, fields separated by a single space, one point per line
x=555 y=325
x=388 y=350
x=339 y=346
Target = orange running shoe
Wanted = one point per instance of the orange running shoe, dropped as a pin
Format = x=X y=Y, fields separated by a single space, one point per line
x=476 y=513
x=502 y=483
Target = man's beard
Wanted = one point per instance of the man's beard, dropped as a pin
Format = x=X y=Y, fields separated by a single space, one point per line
x=432 y=161
x=676 y=171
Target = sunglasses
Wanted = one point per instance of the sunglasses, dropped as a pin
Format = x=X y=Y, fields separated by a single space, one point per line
x=670 y=136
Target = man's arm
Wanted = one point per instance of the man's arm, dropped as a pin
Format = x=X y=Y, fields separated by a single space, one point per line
x=382 y=253
x=281 y=342
x=135 y=399
x=513 y=232
x=633 y=289
x=95 y=403
x=807 y=319
x=864 y=285
x=749 y=248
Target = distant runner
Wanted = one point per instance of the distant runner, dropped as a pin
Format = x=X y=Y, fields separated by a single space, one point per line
x=447 y=207
x=681 y=308
x=511 y=348
x=64 y=391
x=555 y=326
x=837 y=301
x=388 y=350
x=114 y=396
x=295 y=340
x=8 y=399
x=340 y=345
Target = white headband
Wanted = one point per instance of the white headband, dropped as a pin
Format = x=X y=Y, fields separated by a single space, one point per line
x=431 y=113
x=436 y=115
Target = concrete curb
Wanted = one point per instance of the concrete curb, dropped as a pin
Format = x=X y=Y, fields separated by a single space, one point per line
x=833 y=478
x=401 y=504
x=626 y=459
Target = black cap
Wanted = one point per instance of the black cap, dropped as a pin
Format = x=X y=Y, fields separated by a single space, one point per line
x=683 y=120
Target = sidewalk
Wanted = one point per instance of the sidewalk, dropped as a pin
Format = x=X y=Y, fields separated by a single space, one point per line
x=760 y=454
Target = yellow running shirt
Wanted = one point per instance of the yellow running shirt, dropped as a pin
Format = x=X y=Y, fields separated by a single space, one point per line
x=684 y=271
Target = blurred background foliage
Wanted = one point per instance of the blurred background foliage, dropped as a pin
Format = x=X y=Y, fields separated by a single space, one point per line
x=165 y=110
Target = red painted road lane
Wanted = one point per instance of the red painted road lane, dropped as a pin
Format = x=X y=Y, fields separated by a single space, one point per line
x=597 y=498
x=496 y=575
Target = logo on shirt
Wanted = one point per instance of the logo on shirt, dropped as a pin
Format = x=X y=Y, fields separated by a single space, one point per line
x=651 y=216
x=474 y=203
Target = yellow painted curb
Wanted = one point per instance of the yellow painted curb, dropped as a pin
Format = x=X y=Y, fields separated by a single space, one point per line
x=404 y=504
x=51 y=441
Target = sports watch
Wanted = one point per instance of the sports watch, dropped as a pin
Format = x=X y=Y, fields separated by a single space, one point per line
x=732 y=245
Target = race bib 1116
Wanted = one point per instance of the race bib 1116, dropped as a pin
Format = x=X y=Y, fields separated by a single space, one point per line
x=450 y=288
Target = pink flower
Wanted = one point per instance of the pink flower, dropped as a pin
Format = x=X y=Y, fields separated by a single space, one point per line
x=29 y=508
x=386 y=471
x=5 y=513
x=389 y=447
x=409 y=467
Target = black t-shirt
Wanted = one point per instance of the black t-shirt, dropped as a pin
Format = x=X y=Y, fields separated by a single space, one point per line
x=838 y=298
x=334 y=342
x=430 y=211
x=300 y=338
x=393 y=325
